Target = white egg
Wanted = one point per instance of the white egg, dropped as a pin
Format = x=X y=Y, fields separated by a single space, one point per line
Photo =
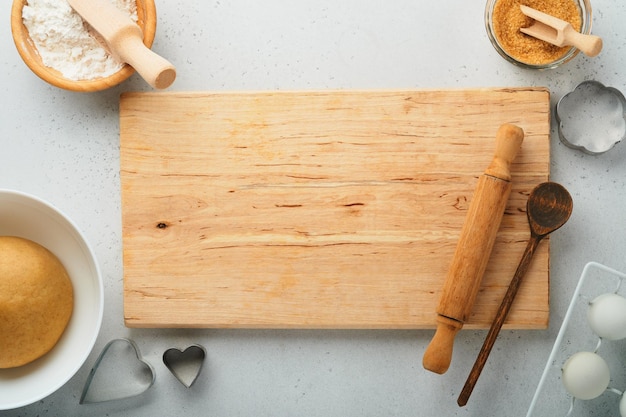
x=585 y=375
x=622 y=406
x=607 y=316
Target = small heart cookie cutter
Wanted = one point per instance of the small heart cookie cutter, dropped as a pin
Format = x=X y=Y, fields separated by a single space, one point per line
x=118 y=373
x=185 y=364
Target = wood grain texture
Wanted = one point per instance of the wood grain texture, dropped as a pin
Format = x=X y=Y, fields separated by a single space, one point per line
x=333 y=209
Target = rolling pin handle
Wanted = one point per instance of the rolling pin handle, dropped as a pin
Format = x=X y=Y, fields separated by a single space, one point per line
x=508 y=142
x=438 y=354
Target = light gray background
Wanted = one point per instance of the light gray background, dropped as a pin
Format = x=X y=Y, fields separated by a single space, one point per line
x=64 y=147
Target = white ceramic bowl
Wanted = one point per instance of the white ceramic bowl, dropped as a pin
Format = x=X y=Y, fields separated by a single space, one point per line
x=31 y=218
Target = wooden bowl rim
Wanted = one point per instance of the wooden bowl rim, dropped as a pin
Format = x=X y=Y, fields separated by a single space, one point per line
x=146 y=12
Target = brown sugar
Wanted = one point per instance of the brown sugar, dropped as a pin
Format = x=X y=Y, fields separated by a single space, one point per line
x=508 y=19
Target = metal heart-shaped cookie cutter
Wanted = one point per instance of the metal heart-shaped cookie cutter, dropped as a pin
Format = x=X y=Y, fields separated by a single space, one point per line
x=592 y=117
x=118 y=373
x=185 y=364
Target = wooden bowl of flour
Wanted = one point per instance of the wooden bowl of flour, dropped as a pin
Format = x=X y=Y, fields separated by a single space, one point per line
x=67 y=67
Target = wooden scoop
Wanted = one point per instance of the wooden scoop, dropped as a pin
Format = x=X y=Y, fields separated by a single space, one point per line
x=559 y=32
x=549 y=206
x=125 y=39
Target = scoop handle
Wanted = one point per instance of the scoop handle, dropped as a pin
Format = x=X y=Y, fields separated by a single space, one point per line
x=590 y=45
x=156 y=70
x=125 y=40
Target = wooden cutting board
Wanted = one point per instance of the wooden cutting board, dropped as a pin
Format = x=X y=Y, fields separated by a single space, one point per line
x=331 y=209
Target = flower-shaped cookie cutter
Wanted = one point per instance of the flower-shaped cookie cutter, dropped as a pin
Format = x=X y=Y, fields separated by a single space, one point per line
x=592 y=117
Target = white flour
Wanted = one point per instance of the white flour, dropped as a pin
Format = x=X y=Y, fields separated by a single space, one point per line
x=65 y=43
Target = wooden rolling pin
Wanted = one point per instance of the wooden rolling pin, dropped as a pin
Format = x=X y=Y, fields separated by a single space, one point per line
x=473 y=249
x=125 y=39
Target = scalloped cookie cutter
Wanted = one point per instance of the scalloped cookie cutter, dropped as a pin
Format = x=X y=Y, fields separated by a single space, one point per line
x=592 y=117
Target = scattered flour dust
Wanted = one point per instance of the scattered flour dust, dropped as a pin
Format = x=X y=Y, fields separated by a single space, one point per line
x=67 y=44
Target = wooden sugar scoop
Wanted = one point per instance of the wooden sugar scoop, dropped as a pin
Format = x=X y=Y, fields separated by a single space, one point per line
x=559 y=32
x=125 y=40
x=473 y=249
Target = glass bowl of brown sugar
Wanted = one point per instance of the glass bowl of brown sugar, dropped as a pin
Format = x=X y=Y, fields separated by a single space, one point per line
x=504 y=18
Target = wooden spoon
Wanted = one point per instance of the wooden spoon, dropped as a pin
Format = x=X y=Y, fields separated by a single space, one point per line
x=125 y=39
x=548 y=207
x=559 y=32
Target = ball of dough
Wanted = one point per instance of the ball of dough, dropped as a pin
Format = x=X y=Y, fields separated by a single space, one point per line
x=36 y=301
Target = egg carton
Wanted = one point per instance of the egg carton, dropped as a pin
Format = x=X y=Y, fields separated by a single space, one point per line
x=551 y=396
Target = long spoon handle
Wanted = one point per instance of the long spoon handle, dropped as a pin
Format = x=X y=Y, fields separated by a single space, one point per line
x=501 y=314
